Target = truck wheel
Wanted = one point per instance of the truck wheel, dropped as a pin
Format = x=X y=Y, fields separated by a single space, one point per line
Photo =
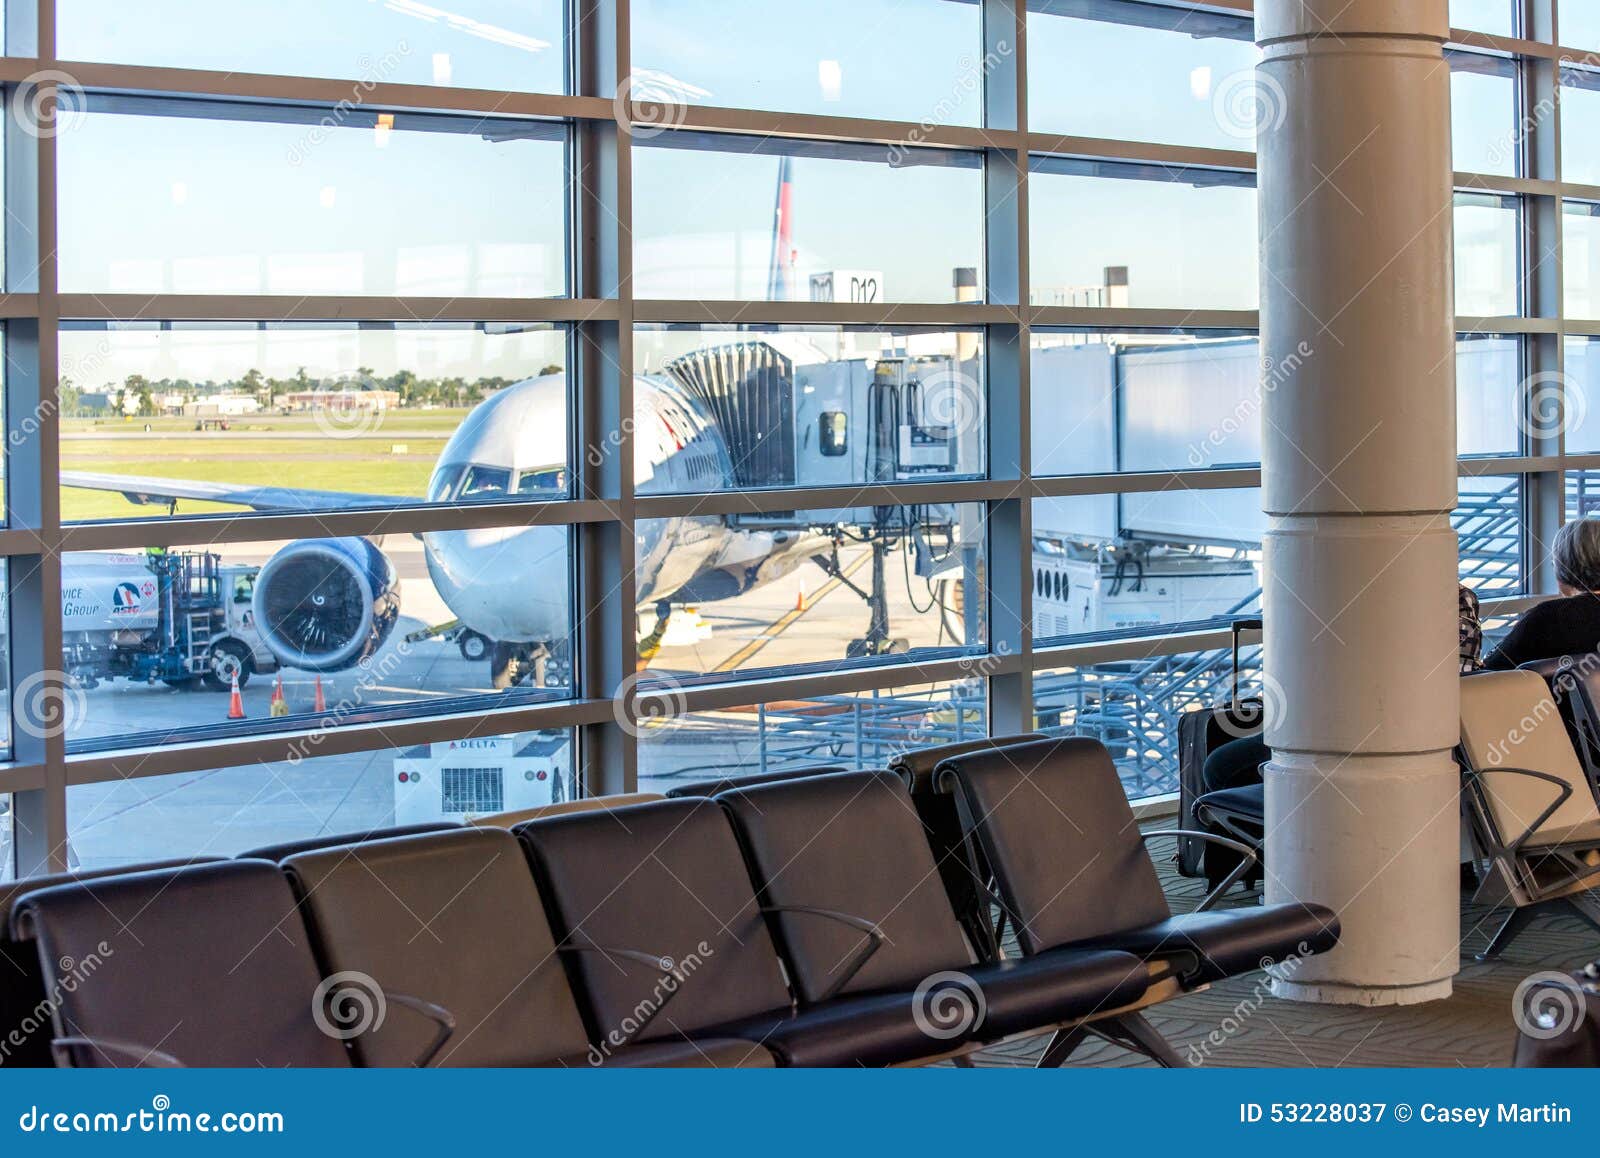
x=507 y=665
x=472 y=646
x=227 y=659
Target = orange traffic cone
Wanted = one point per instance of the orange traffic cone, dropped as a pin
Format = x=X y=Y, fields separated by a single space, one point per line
x=278 y=705
x=235 y=701
x=320 y=705
x=800 y=600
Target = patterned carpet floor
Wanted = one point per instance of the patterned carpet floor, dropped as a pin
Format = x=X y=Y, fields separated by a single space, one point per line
x=1473 y=1028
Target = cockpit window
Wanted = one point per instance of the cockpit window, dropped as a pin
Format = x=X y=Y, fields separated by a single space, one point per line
x=444 y=484
x=484 y=482
x=550 y=480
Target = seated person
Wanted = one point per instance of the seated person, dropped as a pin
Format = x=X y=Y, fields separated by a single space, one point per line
x=1238 y=762
x=1569 y=625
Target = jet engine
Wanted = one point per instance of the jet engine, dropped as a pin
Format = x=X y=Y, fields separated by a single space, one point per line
x=325 y=605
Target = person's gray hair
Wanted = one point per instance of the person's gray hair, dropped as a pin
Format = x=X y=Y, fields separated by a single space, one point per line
x=1576 y=554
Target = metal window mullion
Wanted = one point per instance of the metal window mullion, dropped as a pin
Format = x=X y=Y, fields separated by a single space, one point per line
x=37 y=702
x=605 y=590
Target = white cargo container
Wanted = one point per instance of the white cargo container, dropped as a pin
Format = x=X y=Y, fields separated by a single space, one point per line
x=463 y=779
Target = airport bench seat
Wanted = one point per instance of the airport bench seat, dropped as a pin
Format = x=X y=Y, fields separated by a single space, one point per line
x=673 y=876
x=283 y=850
x=729 y=783
x=1072 y=868
x=171 y=986
x=454 y=917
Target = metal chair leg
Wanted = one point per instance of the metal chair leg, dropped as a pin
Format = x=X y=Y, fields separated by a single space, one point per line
x=1133 y=1032
x=1062 y=1044
x=1518 y=920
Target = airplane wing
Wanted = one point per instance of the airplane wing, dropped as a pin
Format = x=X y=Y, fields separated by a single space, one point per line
x=148 y=491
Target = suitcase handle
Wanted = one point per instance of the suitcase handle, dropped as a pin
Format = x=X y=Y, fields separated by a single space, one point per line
x=1238 y=627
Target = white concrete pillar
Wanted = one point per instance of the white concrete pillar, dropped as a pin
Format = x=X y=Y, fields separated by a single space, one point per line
x=1359 y=478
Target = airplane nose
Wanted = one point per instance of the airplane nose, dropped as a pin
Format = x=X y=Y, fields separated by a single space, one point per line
x=507 y=583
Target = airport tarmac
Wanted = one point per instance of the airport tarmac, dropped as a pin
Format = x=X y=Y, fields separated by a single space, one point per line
x=803 y=618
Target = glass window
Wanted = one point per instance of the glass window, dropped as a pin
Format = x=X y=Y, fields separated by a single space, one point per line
x=202 y=417
x=1483 y=114
x=1146 y=400
x=905 y=60
x=1581 y=388
x=1487 y=282
x=226 y=811
x=1488 y=378
x=745 y=407
x=1137 y=564
x=721 y=217
x=1195 y=82
x=1580 y=126
x=1578 y=22
x=1497 y=17
x=317 y=632
x=1488 y=522
x=1580 y=259
x=846 y=731
x=1134 y=707
x=496 y=44
x=1107 y=234
x=802 y=591
x=201 y=198
x=8 y=844
x=1583 y=494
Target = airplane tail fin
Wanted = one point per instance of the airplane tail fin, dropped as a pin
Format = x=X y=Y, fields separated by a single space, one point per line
x=780 y=272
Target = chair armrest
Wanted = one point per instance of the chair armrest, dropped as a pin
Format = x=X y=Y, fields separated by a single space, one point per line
x=669 y=974
x=438 y=1014
x=1562 y=796
x=1247 y=854
x=142 y=1055
x=875 y=939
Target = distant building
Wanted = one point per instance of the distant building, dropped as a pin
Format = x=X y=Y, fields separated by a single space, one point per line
x=342 y=399
x=220 y=405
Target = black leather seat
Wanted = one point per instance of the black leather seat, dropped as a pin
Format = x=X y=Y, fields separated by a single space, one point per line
x=729 y=783
x=671 y=881
x=285 y=849
x=852 y=843
x=454 y=918
x=23 y=997
x=207 y=964
x=966 y=879
x=1072 y=869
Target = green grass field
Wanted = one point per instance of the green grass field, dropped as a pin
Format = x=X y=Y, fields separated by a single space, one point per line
x=395 y=457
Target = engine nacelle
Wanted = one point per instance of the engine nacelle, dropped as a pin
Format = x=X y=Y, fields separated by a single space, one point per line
x=325 y=605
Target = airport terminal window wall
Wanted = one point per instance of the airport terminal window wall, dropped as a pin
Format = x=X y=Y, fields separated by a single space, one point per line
x=532 y=422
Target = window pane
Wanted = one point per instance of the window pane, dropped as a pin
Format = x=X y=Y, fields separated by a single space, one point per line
x=1194 y=83
x=1579 y=23
x=1133 y=707
x=1583 y=494
x=792 y=590
x=1580 y=259
x=1488 y=376
x=1483 y=114
x=1139 y=235
x=1486 y=255
x=1497 y=17
x=1580 y=126
x=739 y=408
x=1581 y=383
x=318 y=631
x=189 y=415
x=222 y=199
x=226 y=811
x=905 y=60
x=497 y=44
x=1134 y=564
x=858 y=730
x=8 y=844
x=1488 y=522
x=719 y=217
x=1137 y=401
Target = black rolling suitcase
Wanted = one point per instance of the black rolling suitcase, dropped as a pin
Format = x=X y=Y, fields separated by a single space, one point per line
x=1198 y=733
